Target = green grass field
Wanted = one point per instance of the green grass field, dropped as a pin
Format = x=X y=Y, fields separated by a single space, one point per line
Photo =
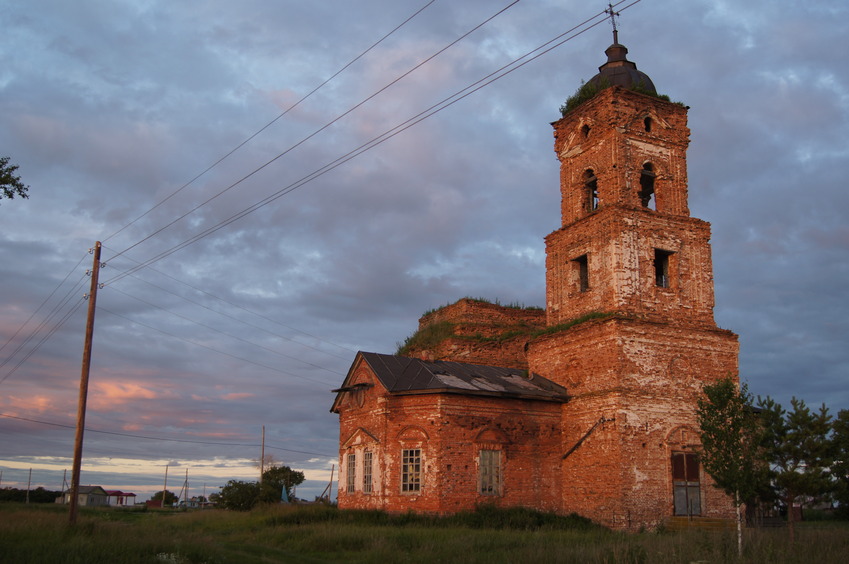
x=40 y=534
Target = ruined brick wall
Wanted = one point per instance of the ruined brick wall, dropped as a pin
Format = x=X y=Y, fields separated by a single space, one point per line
x=477 y=312
x=644 y=379
x=509 y=353
x=611 y=136
x=484 y=333
x=619 y=247
x=450 y=430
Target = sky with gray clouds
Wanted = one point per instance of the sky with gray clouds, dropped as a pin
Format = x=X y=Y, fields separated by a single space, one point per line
x=235 y=296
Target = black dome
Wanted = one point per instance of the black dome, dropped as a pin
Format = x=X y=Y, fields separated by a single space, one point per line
x=619 y=71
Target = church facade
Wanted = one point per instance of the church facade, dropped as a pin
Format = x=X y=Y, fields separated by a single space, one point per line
x=587 y=406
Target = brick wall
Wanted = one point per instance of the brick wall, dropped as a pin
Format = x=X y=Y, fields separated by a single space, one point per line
x=644 y=378
x=485 y=333
x=607 y=135
x=619 y=245
x=450 y=430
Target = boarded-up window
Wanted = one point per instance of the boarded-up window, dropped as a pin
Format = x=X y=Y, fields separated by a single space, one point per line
x=352 y=472
x=411 y=470
x=685 y=483
x=367 y=461
x=490 y=472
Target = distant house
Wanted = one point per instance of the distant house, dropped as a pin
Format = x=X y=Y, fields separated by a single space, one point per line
x=87 y=495
x=195 y=503
x=117 y=498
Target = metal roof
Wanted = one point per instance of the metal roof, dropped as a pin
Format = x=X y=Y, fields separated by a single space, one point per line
x=405 y=375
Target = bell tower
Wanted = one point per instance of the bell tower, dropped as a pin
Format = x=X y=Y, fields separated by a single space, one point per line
x=627 y=243
x=629 y=306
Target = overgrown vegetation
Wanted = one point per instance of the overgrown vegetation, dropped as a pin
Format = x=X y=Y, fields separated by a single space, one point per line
x=511 y=305
x=569 y=324
x=427 y=337
x=588 y=90
x=433 y=334
x=38 y=495
x=244 y=496
x=283 y=533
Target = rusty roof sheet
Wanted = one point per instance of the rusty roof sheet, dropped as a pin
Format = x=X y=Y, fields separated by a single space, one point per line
x=405 y=375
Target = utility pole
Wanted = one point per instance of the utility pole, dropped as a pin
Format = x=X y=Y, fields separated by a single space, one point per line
x=164 y=488
x=262 y=457
x=86 y=367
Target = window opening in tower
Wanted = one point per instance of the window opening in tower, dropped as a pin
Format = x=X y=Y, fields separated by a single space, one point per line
x=647 y=197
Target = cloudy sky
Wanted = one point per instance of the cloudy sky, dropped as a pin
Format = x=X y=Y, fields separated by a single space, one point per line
x=251 y=247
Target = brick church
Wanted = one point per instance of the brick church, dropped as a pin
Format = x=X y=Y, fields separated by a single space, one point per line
x=589 y=405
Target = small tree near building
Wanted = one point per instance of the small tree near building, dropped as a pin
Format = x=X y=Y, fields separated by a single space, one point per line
x=730 y=436
x=840 y=464
x=275 y=479
x=169 y=497
x=239 y=495
x=798 y=447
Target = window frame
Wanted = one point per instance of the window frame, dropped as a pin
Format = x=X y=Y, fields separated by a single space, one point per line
x=686 y=483
x=489 y=472
x=411 y=470
x=351 y=477
x=368 y=463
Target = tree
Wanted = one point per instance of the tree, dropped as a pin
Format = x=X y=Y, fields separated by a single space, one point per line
x=238 y=495
x=275 y=479
x=840 y=464
x=170 y=497
x=730 y=436
x=10 y=182
x=798 y=448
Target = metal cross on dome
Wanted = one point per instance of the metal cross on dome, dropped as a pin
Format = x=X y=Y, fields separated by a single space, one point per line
x=613 y=15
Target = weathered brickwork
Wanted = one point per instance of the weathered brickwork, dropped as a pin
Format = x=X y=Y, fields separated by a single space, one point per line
x=608 y=136
x=643 y=380
x=619 y=246
x=450 y=431
x=485 y=333
x=629 y=333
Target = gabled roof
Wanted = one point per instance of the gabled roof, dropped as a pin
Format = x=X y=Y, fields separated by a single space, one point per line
x=89 y=490
x=402 y=375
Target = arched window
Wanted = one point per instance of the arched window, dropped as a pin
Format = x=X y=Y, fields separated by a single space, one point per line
x=585 y=130
x=647 y=124
x=647 y=197
x=591 y=189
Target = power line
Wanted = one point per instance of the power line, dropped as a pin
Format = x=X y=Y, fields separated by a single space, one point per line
x=44 y=339
x=385 y=136
x=243 y=309
x=272 y=368
x=225 y=333
x=152 y=438
x=53 y=312
x=47 y=299
x=319 y=130
x=269 y=124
